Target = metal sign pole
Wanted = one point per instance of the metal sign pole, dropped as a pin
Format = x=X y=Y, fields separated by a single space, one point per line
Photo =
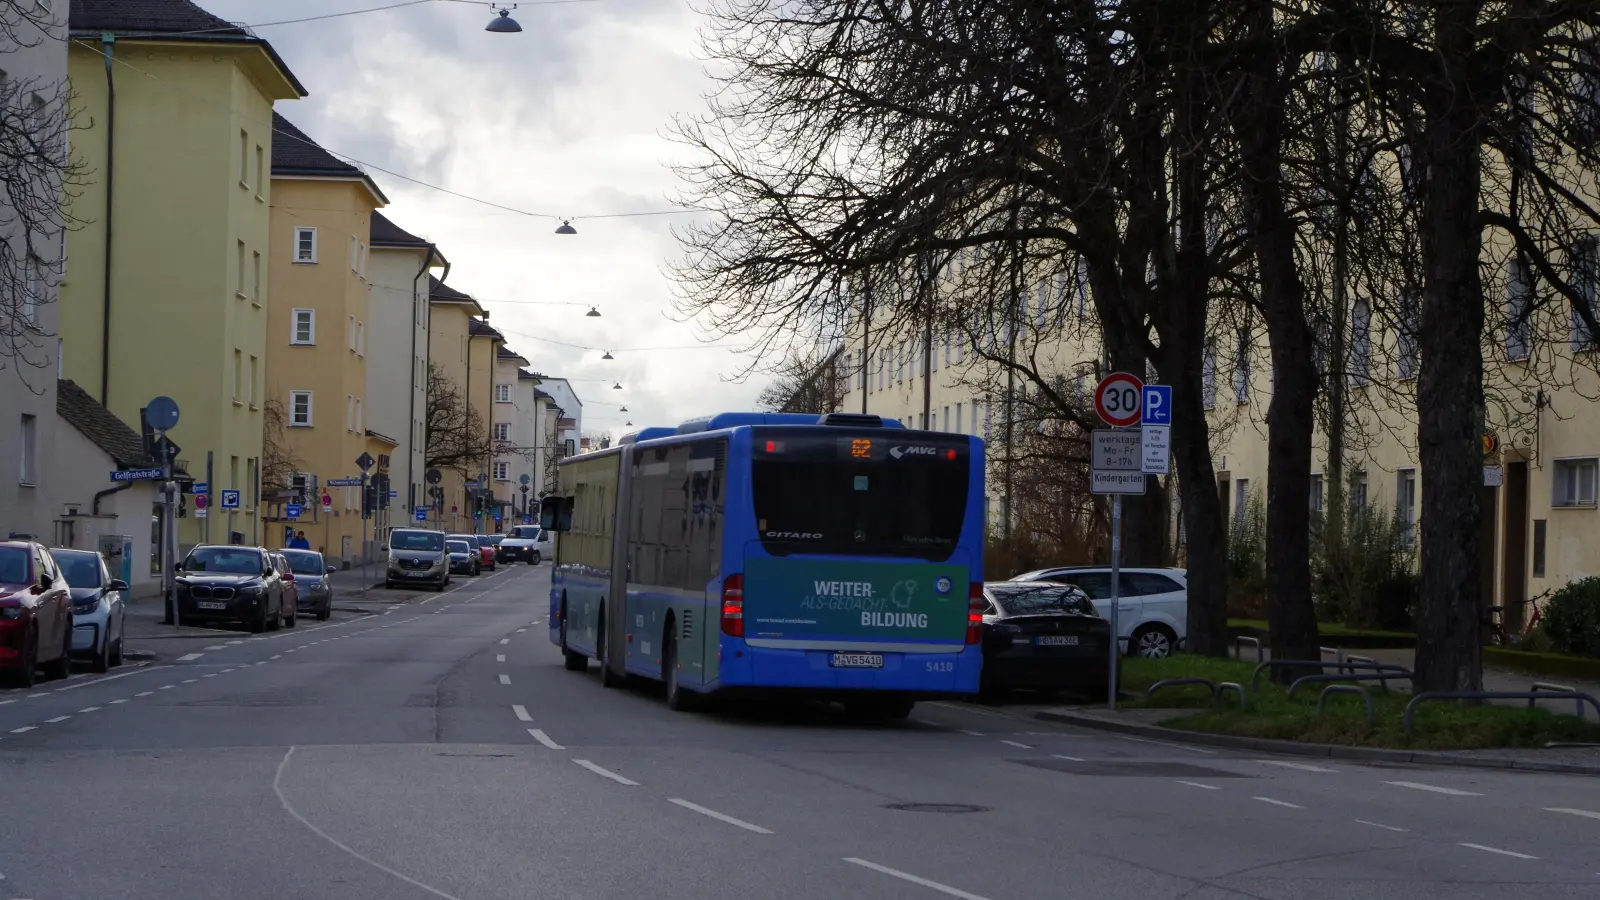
x=169 y=536
x=366 y=550
x=1116 y=591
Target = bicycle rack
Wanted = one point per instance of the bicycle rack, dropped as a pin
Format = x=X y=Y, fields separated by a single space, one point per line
x=1372 y=712
x=1577 y=696
x=1217 y=690
x=1225 y=686
x=1381 y=676
x=1394 y=671
x=1559 y=689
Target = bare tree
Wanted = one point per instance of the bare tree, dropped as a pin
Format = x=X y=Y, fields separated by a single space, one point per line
x=37 y=176
x=804 y=382
x=456 y=437
x=278 y=460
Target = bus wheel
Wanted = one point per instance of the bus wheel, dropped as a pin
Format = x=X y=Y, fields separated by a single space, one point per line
x=575 y=662
x=602 y=652
x=678 y=699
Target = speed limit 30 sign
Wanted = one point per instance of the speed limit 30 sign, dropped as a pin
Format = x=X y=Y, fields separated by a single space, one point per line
x=1120 y=399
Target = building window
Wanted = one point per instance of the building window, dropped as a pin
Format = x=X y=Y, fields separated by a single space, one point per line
x=1316 y=496
x=34 y=293
x=361 y=338
x=250 y=386
x=502 y=393
x=1574 y=482
x=238 y=288
x=1409 y=351
x=1241 y=367
x=1405 y=506
x=300 y=409
x=1539 y=531
x=1519 y=309
x=238 y=377
x=350 y=334
x=502 y=471
x=349 y=412
x=957 y=429
x=355 y=260
x=1584 y=262
x=305 y=245
x=1360 y=343
x=1358 y=493
x=1241 y=501
x=502 y=431
x=358 y=415
x=244 y=159
x=261 y=169
x=305 y=327
x=28 y=471
x=255 y=278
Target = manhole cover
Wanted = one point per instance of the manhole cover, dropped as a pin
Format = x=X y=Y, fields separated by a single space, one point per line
x=938 y=807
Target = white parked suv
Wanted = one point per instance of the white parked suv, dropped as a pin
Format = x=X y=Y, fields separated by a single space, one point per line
x=1153 y=605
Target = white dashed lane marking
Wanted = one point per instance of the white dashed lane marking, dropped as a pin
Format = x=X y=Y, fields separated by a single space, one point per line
x=1509 y=853
x=1209 y=787
x=504 y=678
x=89 y=709
x=539 y=735
x=1377 y=825
x=1304 y=767
x=605 y=773
x=1283 y=803
x=1433 y=788
x=24 y=729
x=500 y=658
x=190 y=657
x=914 y=879
x=720 y=817
x=1018 y=744
x=56 y=719
x=521 y=712
x=1574 y=812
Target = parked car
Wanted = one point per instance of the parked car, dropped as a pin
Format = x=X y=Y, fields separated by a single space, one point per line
x=491 y=543
x=291 y=589
x=417 y=555
x=529 y=543
x=1152 y=605
x=471 y=540
x=35 y=613
x=464 y=558
x=313 y=586
x=1043 y=636
x=227 y=583
x=99 y=609
x=485 y=552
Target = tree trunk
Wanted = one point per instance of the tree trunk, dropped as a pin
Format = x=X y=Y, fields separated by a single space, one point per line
x=1450 y=406
x=1291 y=416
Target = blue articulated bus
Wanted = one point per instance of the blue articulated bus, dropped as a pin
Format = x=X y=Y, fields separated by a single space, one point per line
x=835 y=557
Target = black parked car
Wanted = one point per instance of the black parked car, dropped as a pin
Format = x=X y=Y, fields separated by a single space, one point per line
x=225 y=583
x=1043 y=636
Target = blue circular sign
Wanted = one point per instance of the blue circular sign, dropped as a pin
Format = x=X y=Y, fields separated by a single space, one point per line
x=943 y=584
x=161 y=414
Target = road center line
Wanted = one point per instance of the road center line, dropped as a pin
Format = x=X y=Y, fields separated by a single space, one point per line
x=119 y=700
x=1573 y=812
x=522 y=712
x=505 y=640
x=89 y=709
x=1283 y=803
x=1304 y=767
x=720 y=817
x=1128 y=737
x=1209 y=787
x=56 y=719
x=504 y=678
x=1433 y=788
x=24 y=729
x=1067 y=758
x=539 y=735
x=137 y=671
x=907 y=876
x=500 y=658
x=1510 y=853
x=144 y=693
x=1377 y=825
x=1018 y=744
x=216 y=647
x=605 y=773
x=190 y=657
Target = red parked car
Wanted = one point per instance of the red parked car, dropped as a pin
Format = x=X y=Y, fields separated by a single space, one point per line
x=35 y=613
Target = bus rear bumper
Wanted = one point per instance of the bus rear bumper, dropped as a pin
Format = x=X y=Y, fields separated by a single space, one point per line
x=923 y=676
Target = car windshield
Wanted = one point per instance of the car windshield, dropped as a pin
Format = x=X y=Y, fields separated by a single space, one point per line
x=81 y=569
x=223 y=560
x=525 y=532
x=1040 y=597
x=491 y=539
x=416 y=540
x=470 y=540
x=13 y=566
x=304 y=563
x=458 y=546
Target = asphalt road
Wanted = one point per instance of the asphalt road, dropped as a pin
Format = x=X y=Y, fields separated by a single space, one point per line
x=439 y=750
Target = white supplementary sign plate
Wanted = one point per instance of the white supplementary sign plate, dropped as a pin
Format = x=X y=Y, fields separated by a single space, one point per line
x=1117 y=482
x=1115 y=451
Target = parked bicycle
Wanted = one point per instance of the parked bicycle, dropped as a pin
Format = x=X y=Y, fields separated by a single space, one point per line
x=1499 y=636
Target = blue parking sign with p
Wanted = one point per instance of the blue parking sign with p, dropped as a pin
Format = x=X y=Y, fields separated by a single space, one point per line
x=1158 y=404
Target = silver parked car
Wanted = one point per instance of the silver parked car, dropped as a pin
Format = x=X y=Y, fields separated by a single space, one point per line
x=311 y=577
x=98 y=607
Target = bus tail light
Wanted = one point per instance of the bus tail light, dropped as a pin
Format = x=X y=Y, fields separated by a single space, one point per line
x=975 y=606
x=733 y=606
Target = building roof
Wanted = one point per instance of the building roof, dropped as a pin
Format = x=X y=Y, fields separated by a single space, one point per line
x=172 y=20
x=295 y=153
x=101 y=426
x=386 y=233
x=529 y=376
x=439 y=292
x=508 y=353
x=480 y=328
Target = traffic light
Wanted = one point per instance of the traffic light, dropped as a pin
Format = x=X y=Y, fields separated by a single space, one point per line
x=369 y=501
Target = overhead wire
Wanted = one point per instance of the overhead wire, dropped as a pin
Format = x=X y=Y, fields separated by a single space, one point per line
x=241 y=26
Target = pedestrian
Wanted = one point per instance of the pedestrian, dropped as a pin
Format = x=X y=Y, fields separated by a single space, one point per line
x=299 y=542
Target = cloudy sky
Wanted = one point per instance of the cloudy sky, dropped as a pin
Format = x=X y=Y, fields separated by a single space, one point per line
x=567 y=118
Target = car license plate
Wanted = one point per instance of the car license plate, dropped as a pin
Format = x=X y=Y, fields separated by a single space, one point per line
x=210 y=604
x=857 y=661
x=1059 y=640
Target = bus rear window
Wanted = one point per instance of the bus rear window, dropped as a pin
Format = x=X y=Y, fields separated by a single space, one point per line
x=879 y=493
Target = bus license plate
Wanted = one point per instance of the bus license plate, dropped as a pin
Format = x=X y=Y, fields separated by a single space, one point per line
x=857 y=661
x=1059 y=640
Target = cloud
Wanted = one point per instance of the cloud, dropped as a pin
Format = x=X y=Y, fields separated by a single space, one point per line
x=565 y=119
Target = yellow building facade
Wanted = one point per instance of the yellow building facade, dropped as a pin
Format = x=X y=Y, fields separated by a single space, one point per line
x=451 y=315
x=174 y=120
x=316 y=376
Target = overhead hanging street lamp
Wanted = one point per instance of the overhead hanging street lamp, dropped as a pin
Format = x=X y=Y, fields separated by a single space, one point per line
x=608 y=355
x=593 y=313
x=624 y=409
x=617 y=386
x=566 y=224
x=627 y=423
x=503 y=23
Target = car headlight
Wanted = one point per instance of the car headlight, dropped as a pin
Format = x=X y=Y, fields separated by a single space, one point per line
x=250 y=590
x=85 y=609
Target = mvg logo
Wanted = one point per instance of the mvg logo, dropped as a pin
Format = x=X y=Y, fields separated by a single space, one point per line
x=898 y=452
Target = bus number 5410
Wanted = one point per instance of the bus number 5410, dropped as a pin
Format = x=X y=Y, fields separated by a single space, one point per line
x=941 y=666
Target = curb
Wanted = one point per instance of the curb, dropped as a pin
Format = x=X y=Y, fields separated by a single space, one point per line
x=1297 y=748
